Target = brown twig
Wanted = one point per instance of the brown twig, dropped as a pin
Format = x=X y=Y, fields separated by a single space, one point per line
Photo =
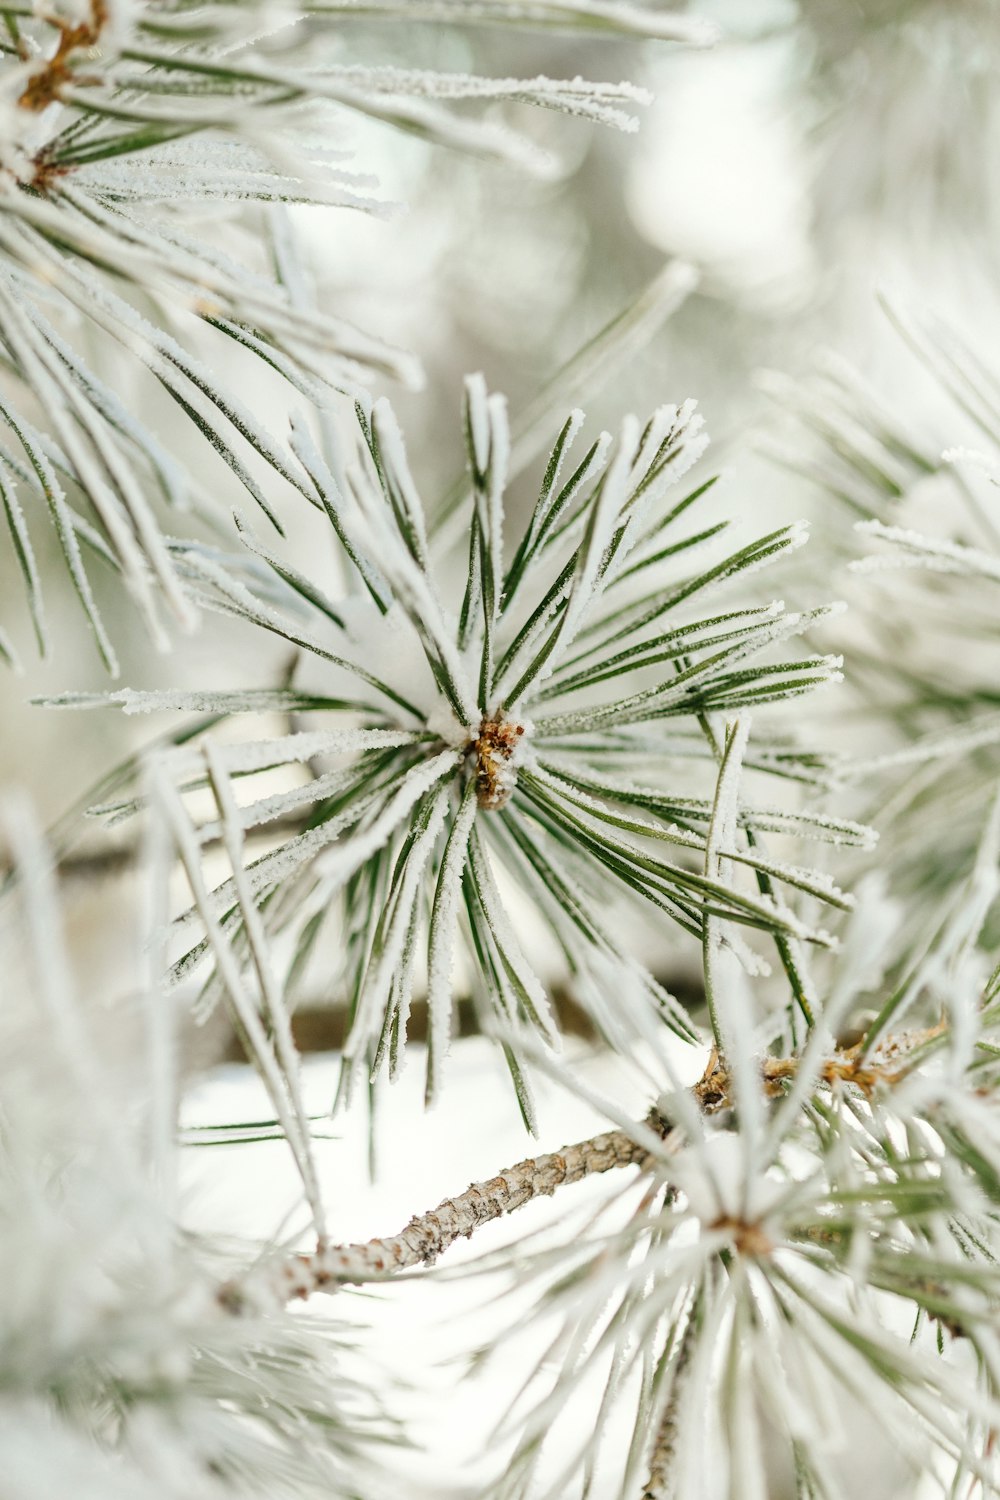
x=662 y=1455
x=47 y=82
x=118 y=859
x=428 y=1235
x=886 y=1065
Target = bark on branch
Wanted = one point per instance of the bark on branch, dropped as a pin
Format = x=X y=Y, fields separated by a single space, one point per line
x=428 y=1235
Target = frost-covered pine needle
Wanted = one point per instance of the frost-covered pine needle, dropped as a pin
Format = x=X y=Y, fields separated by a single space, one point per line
x=124 y=1373
x=516 y=736
x=120 y=123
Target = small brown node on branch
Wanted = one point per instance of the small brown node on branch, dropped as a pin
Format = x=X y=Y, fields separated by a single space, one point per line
x=495 y=748
x=232 y=1298
x=713 y=1088
x=46 y=85
x=884 y=1067
x=46 y=173
x=749 y=1237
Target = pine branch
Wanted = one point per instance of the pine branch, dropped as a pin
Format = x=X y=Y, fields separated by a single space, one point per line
x=122 y=121
x=120 y=1340
x=923 y=681
x=658 y=1485
x=429 y=1234
x=525 y=738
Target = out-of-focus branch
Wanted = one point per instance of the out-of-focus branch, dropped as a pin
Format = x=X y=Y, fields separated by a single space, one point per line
x=662 y=1456
x=117 y=859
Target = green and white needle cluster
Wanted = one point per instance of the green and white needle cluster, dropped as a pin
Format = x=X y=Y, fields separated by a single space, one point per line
x=482 y=774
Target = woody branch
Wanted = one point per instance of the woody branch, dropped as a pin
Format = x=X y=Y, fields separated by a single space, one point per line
x=429 y=1234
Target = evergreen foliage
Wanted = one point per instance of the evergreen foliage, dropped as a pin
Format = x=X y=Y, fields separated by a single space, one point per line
x=488 y=772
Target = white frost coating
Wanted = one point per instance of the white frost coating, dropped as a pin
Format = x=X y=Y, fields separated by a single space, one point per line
x=986 y=463
x=531 y=639
x=713 y=1178
x=392 y=447
x=796 y=534
x=234 y=592
x=489 y=439
x=336 y=499
x=825 y=667
x=113 y=410
x=443 y=936
x=401 y=994
x=659 y=427
x=167 y=799
x=924 y=551
x=213 y=180
x=573 y=424
x=687 y=443
x=725 y=810
x=289 y=749
x=604 y=519
x=414 y=590
x=460 y=132
x=638 y=823
x=603 y=522
x=67 y=536
x=583 y=592
x=813 y=882
x=288 y=857
x=338 y=865
x=499 y=465
x=277 y=1012
x=151 y=255
x=477 y=408
x=747 y=643
x=692 y=440
x=297 y=748
x=749 y=960
x=751 y=642
x=762 y=906
x=100 y=467
x=646 y=651
x=281 y=804
x=728 y=1003
x=807 y=823
x=136 y=701
x=506 y=939
x=388 y=646
x=578 y=96
x=375 y=990
x=442 y=723
x=787 y=540
x=570 y=15
x=164 y=355
x=22 y=540
x=575 y=486
x=298 y=583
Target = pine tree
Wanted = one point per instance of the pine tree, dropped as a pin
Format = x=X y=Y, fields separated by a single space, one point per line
x=532 y=747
